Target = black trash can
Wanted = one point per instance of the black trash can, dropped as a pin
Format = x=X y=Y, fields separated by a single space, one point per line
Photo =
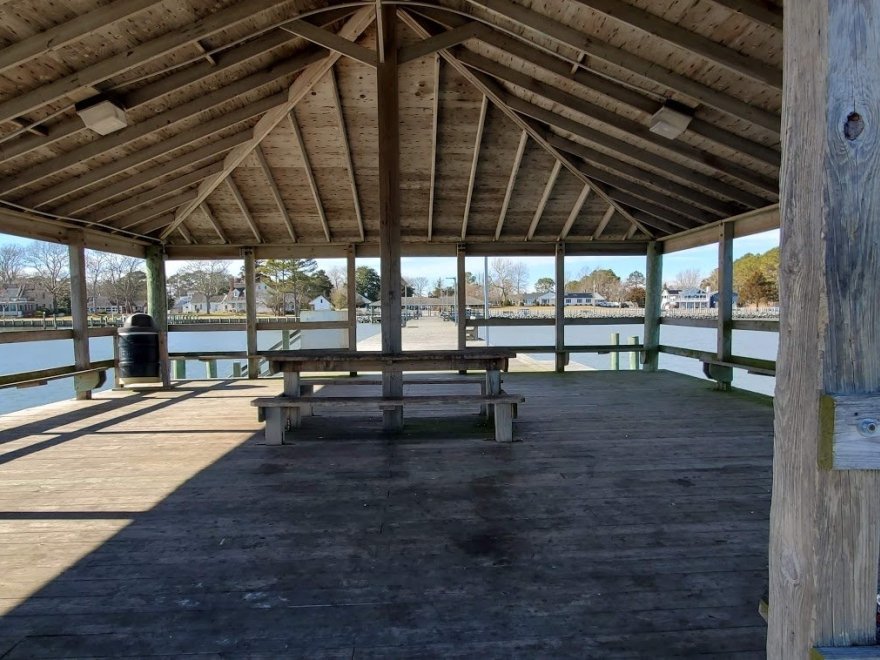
x=139 y=350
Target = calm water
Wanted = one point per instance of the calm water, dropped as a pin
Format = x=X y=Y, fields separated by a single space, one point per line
x=16 y=358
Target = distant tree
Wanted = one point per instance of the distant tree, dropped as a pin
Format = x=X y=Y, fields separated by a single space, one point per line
x=636 y=295
x=635 y=279
x=367 y=283
x=689 y=278
x=124 y=281
x=520 y=276
x=209 y=277
x=96 y=263
x=291 y=283
x=419 y=285
x=504 y=278
x=320 y=285
x=710 y=282
x=339 y=295
x=545 y=285
x=51 y=267
x=603 y=281
x=12 y=263
x=757 y=288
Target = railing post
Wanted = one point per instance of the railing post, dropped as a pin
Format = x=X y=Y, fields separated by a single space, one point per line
x=351 y=297
x=653 y=291
x=250 y=301
x=615 y=355
x=236 y=369
x=461 y=298
x=634 y=356
x=559 y=324
x=211 y=368
x=157 y=306
x=180 y=369
x=79 y=309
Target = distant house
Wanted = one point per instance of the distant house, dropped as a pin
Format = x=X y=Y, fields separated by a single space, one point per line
x=235 y=300
x=320 y=304
x=583 y=298
x=540 y=299
x=15 y=303
x=197 y=303
x=690 y=298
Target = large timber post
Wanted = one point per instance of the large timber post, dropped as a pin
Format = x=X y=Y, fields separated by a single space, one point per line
x=389 y=208
x=653 y=291
x=79 y=310
x=824 y=519
x=561 y=355
x=157 y=305
x=351 y=296
x=723 y=375
x=250 y=310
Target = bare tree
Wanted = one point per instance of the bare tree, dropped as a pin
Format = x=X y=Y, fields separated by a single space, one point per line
x=124 y=281
x=12 y=262
x=689 y=278
x=208 y=277
x=338 y=277
x=520 y=276
x=51 y=265
x=96 y=264
x=418 y=284
x=501 y=277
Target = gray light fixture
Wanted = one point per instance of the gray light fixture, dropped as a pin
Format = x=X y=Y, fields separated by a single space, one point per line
x=102 y=116
x=670 y=121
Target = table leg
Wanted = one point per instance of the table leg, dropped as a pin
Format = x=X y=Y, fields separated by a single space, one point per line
x=493 y=388
x=392 y=386
x=291 y=390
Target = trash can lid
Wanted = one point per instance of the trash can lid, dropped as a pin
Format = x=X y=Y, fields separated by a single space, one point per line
x=139 y=321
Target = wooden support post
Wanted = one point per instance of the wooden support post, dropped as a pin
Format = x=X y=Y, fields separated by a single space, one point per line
x=461 y=298
x=389 y=210
x=561 y=355
x=634 y=356
x=157 y=306
x=250 y=301
x=210 y=369
x=285 y=340
x=723 y=376
x=236 y=369
x=615 y=355
x=825 y=524
x=79 y=309
x=653 y=291
x=351 y=295
x=179 y=369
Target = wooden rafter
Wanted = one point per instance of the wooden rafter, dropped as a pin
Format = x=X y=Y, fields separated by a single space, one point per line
x=511 y=182
x=245 y=211
x=301 y=86
x=443 y=40
x=133 y=201
x=661 y=211
x=478 y=139
x=145 y=213
x=757 y=10
x=65 y=33
x=435 y=122
x=186 y=234
x=346 y=147
x=638 y=132
x=124 y=186
x=490 y=89
x=692 y=42
x=642 y=156
x=642 y=101
x=635 y=64
x=310 y=174
x=606 y=218
x=575 y=212
x=151 y=152
x=212 y=219
x=275 y=192
x=156 y=224
x=545 y=197
x=161 y=121
x=629 y=233
x=331 y=41
x=109 y=67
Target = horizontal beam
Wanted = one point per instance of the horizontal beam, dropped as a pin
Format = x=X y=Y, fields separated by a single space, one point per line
x=745 y=224
x=752 y=365
x=443 y=40
x=40 y=376
x=332 y=41
x=17 y=336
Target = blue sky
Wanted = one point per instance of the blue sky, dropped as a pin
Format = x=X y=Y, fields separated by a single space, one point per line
x=702 y=258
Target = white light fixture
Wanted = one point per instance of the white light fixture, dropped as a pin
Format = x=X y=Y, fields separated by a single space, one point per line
x=104 y=117
x=670 y=122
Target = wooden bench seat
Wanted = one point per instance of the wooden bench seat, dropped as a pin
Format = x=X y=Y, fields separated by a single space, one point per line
x=281 y=411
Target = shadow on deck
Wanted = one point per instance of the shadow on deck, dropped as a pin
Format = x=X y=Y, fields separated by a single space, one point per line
x=630 y=521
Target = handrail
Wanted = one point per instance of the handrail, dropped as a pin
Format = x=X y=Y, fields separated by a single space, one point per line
x=52 y=373
x=752 y=365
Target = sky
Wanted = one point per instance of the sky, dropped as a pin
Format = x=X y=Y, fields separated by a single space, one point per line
x=703 y=258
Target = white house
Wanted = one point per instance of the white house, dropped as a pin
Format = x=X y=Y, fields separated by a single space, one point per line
x=321 y=304
x=541 y=299
x=583 y=298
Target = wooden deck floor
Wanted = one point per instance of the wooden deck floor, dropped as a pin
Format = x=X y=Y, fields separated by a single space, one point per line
x=630 y=521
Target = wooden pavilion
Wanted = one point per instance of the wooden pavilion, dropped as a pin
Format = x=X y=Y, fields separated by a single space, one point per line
x=272 y=128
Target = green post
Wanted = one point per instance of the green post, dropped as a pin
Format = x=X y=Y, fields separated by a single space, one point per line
x=634 y=356
x=615 y=355
x=236 y=369
x=179 y=369
x=211 y=368
x=285 y=340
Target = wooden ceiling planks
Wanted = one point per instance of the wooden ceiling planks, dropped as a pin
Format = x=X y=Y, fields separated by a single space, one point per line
x=726 y=163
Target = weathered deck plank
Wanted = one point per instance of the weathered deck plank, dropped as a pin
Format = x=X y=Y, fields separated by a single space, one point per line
x=630 y=520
